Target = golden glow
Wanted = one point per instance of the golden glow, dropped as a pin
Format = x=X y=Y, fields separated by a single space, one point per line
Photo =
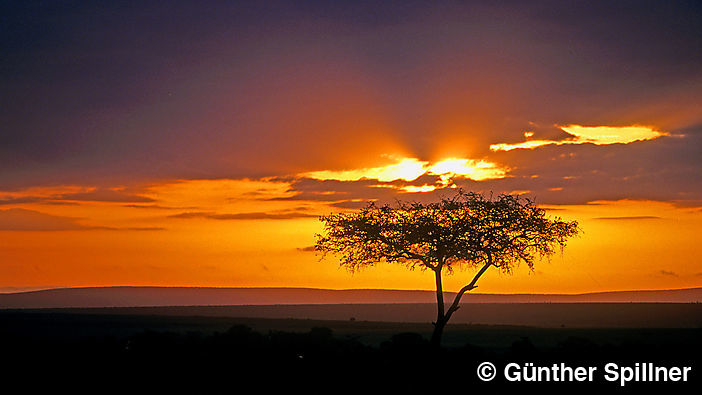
x=612 y=135
x=598 y=135
x=531 y=144
x=469 y=168
x=415 y=189
x=409 y=169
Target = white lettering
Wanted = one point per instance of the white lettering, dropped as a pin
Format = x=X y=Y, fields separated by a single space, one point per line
x=611 y=372
x=638 y=372
x=516 y=376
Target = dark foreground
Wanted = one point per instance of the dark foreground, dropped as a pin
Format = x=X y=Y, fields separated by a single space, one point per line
x=101 y=353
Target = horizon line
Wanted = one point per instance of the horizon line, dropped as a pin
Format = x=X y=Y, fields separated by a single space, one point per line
x=57 y=288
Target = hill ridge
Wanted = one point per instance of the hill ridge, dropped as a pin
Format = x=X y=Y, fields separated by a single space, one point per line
x=135 y=296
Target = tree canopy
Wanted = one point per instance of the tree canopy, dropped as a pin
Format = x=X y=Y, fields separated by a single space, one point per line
x=465 y=230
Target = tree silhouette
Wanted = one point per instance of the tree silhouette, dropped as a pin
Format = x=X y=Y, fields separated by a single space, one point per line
x=466 y=230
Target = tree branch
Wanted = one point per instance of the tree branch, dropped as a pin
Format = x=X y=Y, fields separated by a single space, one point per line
x=407 y=253
x=469 y=287
x=439 y=297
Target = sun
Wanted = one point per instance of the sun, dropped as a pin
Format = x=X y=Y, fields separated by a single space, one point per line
x=477 y=170
x=409 y=169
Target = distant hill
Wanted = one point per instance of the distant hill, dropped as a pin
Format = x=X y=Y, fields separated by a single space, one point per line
x=187 y=296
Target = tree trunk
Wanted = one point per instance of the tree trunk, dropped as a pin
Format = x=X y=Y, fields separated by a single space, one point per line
x=443 y=316
x=440 y=316
x=438 y=331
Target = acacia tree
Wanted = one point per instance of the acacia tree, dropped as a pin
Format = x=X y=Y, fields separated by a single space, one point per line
x=464 y=231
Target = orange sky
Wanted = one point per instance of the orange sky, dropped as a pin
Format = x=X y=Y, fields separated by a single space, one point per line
x=176 y=144
x=222 y=233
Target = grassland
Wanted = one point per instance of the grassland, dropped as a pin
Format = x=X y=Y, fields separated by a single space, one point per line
x=186 y=347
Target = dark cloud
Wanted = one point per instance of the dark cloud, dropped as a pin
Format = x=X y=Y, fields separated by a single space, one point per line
x=350 y=204
x=642 y=217
x=665 y=169
x=109 y=94
x=100 y=195
x=288 y=214
x=21 y=200
x=189 y=215
x=58 y=202
x=307 y=249
x=353 y=194
x=667 y=273
x=157 y=207
x=104 y=195
x=17 y=219
x=143 y=228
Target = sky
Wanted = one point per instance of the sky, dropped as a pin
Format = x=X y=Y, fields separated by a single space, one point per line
x=197 y=143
